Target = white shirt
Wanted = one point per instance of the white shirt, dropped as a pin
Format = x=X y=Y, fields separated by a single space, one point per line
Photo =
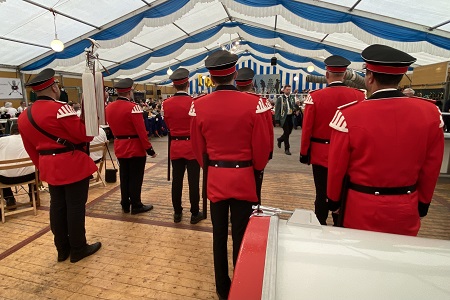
x=11 y=111
x=20 y=109
x=99 y=139
x=11 y=147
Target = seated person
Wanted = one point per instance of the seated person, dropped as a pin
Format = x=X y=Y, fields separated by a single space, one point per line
x=99 y=139
x=11 y=147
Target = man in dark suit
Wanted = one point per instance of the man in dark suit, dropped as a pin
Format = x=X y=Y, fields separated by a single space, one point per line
x=284 y=109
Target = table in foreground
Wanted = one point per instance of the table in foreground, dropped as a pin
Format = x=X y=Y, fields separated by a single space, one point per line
x=282 y=259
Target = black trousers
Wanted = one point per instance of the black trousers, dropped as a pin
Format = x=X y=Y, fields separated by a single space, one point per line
x=193 y=171
x=67 y=214
x=7 y=192
x=240 y=213
x=287 y=130
x=259 y=175
x=131 y=177
x=320 y=174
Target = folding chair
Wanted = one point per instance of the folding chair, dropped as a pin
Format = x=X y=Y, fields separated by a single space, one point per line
x=95 y=148
x=18 y=164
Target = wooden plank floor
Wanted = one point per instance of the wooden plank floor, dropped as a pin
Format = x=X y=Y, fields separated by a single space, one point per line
x=147 y=256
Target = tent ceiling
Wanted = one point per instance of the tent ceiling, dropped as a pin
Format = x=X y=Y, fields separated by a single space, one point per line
x=154 y=35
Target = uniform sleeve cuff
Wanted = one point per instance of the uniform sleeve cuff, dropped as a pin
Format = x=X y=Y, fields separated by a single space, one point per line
x=333 y=205
x=423 y=209
x=150 y=151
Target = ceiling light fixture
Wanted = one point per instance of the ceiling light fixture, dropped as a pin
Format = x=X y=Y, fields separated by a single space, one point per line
x=295 y=78
x=56 y=44
x=231 y=47
x=169 y=71
x=310 y=69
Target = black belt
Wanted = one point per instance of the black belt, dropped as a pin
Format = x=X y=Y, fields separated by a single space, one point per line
x=62 y=150
x=126 y=137
x=230 y=164
x=180 y=138
x=403 y=190
x=317 y=140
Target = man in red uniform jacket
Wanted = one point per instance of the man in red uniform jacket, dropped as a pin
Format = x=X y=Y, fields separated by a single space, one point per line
x=244 y=83
x=176 y=115
x=320 y=107
x=131 y=146
x=55 y=139
x=392 y=173
x=236 y=147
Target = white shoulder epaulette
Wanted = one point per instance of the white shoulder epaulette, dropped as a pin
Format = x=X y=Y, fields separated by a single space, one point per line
x=65 y=111
x=309 y=100
x=137 y=110
x=192 y=110
x=263 y=106
x=339 y=122
x=61 y=102
x=348 y=104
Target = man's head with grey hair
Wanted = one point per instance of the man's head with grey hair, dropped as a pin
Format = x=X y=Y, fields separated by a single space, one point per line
x=408 y=92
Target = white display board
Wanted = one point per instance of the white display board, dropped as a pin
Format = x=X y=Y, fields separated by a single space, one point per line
x=10 y=88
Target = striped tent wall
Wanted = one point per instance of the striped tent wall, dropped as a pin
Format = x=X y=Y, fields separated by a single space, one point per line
x=259 y=69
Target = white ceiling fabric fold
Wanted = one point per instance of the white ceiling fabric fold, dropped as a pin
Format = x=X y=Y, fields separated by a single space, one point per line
x=25 y=38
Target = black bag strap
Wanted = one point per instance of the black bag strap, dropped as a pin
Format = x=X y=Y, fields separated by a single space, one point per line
x=49 y=135
x=109 y=153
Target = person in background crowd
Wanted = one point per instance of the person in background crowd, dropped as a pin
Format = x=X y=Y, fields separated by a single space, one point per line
x=320 y=107
x=446 y=118
x=390 y=174
x=284 y=110
x=244 y=83
x=55 y=139
x=77 y=108
x=11 y=147
x=176 y=116
x=131 y=146
x=10 y=110
x=98 y=139
x=409 y=92
x=233 y=149
x=22 y=107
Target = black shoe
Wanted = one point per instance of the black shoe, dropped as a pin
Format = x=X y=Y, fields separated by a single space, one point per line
x=197 y=218
x=141 y=209
x=63 y=255
x=279 y=143
x=177 y=217
x=288 y=152
x=87 y=250
x=125 y=207
x=10 y=201
x=221 y=297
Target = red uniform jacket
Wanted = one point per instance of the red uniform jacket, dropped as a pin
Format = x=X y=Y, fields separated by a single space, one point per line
x=126 y=119
x=320 y=107
x=60 y=120
x=231 y=126
x=387 y=141
x=176 y=115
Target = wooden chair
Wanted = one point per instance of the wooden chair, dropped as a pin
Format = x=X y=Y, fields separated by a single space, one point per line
x=98 y=178
x=18 y=164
